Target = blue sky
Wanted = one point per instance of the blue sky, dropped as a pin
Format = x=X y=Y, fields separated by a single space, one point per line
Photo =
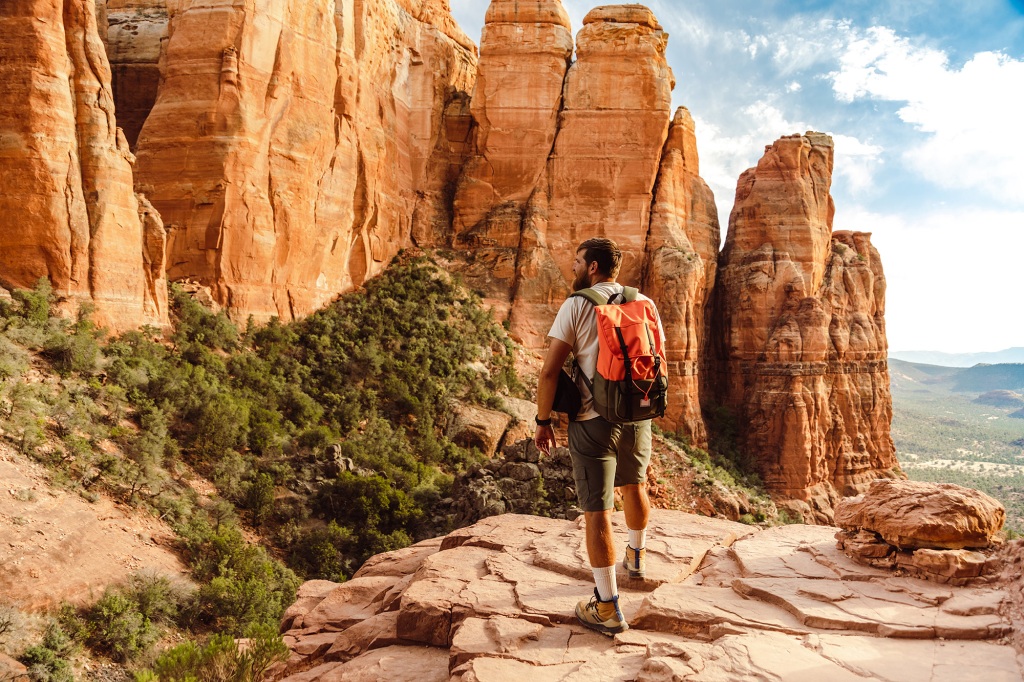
x=925 y=100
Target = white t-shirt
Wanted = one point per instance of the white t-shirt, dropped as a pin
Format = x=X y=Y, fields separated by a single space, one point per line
x=576 y=325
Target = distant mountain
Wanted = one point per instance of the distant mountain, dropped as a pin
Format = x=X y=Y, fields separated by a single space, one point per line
x=933 y=357
x=911 y=376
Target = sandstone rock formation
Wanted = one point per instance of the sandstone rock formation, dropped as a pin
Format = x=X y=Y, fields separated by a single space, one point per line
x=722 y=601
x=134 y=32
x=68 y=210
x=292 y=148
x=556 y=162
x=913 y=514
x=799 y=333
x=292 y=145
x=524 y=55
x=681 y=262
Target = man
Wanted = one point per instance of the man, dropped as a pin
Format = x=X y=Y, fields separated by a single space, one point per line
x=604 y=455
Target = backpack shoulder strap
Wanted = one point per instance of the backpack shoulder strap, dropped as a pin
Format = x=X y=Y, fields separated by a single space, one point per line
x=590 y=295
x=628 y=295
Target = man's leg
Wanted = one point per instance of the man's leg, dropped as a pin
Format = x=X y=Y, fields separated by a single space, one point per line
x=592 y=445
x=633 y=457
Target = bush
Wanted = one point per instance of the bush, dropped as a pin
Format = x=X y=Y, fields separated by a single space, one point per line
x=244 y=586
x=325 y=553
x=221 y=659
x=127 y=619
x=33 y=305
x=48 y=660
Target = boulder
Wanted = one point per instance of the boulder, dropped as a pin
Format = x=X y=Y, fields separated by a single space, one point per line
x=11 y=669
x=912 y=514
x=477 y=427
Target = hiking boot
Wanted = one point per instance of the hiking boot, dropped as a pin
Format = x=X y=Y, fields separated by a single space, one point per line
x=635 y=562
x=603 y=616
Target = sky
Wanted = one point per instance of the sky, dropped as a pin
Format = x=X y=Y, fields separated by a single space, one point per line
x=924 y=99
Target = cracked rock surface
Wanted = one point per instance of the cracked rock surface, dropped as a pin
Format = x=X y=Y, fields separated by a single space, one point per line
x=721 y=601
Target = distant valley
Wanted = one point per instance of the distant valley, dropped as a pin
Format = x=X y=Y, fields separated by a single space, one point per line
x=964 y=426
x=931 y=357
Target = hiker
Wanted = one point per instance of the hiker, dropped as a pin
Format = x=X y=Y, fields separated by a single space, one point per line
x=605 y=454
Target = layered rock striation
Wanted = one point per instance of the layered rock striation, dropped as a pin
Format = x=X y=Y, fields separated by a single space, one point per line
x=799 y=333
x=68 y=210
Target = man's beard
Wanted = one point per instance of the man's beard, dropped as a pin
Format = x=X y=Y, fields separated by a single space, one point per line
x=581 y=281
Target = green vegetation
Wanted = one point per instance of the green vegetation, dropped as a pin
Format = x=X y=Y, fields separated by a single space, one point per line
x=723 y=471
x=221 y=659
x=944 y=435
x=326 y=436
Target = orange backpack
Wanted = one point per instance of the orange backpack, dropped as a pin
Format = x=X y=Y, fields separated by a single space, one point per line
x=630 y=384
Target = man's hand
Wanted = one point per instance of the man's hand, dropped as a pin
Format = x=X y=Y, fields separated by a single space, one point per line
x=544 y=439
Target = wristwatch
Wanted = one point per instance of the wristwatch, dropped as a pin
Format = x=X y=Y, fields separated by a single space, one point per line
x=542 y=422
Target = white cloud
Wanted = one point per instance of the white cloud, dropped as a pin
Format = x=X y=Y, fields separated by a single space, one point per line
x=725 y=154
x=856 y=163
x=947 y=278
x=970 y=115
x=793 y=86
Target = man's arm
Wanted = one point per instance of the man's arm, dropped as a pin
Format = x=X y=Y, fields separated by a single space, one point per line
x=547 y=384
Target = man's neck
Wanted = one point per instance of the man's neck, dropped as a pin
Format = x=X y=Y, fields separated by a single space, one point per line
x=604 y=280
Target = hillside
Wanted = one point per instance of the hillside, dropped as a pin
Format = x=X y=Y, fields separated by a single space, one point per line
x=946 y=433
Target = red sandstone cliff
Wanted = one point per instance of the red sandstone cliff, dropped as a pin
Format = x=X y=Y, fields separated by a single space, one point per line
x=293 y=143
x=680 y=268
x=68 y=210
x=292 y=148
x=800 y=333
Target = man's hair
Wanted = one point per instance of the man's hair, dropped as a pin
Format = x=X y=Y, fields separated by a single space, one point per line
x=605 y=252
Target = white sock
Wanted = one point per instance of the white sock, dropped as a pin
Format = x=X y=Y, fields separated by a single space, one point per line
x=605 y=579
x=638 y=538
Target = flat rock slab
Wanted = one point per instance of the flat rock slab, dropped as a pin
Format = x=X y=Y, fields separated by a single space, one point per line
x=885 y=609
x=799 y=551
x=677 y=544
x=495 y=602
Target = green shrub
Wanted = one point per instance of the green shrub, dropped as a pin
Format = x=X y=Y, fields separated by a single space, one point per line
x=125 y=622
x=325 y=553
x=243 y=585
x=33 y=305
x=48 y=660
x=221 y=659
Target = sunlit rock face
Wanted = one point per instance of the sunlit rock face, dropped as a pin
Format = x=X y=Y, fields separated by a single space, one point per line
x=799 y=333
x=294 y=144
x=720 y=601
x=525 y=52
x=68 y=210
x=679 y=273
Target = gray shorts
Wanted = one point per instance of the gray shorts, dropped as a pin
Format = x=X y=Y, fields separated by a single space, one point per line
x=605 y=456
